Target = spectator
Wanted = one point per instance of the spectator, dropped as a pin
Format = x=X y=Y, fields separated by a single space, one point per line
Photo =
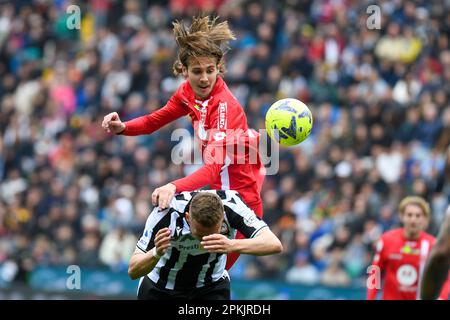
x=302 y=272
x=116 y=249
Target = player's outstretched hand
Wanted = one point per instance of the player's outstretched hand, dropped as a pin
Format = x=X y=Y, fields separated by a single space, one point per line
x=217 y=243
x=112 y=123
x=162 y=241
x=163 y=195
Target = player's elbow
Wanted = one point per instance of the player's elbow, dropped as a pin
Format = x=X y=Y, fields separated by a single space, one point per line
x=132 y=272
x=272 y=243
x=277 y=247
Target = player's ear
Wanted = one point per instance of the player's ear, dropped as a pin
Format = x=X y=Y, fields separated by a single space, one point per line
x=184 y=70
x=220 y=67
x=187 y=215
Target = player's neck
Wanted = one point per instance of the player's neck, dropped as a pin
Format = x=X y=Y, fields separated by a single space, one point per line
x=411 y=235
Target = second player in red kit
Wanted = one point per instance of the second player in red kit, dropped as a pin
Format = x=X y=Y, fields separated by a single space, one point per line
x=401 y=255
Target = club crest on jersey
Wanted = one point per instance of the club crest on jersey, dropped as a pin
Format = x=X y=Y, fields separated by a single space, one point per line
x=178 y=231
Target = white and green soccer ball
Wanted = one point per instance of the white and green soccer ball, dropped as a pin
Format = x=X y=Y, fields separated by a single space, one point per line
x=289 y=121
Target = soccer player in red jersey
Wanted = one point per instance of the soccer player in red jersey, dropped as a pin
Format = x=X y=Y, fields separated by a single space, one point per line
x=436 y=269
x=217 y=117
x=402 y=253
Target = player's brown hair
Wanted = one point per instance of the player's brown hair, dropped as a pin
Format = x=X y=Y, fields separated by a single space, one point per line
x=418 y=201
x=205 y=37
x=206 y=208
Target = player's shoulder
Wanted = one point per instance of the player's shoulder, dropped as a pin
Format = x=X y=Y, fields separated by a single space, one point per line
x=180 y=201
x=230 y=198
x=224 y=97
x=427 y=236
x=225 y=195
x=184 y=91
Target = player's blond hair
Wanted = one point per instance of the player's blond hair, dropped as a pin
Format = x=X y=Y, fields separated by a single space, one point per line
x=205 y=37
x=418 y=201
x=206 y=208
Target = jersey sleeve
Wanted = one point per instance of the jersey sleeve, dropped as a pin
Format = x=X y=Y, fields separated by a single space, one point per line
x=378 y=265
x=155 y=221
x=221 y=150
x=242 y=218
x=147 y=124
x=200 y=178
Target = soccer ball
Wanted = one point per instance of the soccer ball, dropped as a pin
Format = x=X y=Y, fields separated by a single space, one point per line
x=289 y=121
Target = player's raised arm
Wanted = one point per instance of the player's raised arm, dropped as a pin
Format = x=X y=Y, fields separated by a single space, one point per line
x=112 y=124
x=146 y=124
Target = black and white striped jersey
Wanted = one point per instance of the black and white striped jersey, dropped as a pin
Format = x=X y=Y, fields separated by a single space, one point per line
x=186 y=265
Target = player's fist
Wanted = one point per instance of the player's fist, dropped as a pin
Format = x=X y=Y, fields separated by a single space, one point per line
x=112 y=123
x=162 y=241
x=163 y=195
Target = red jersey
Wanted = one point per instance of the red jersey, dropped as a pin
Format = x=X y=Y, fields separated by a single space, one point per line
x=218 y=121
x=401 y=262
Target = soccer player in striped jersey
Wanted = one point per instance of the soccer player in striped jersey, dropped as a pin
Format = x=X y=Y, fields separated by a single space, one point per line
x=182 y=252
x=217 y=117
x=402 y=253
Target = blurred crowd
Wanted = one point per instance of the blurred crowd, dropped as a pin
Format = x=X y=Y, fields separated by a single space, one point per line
x=72 y=194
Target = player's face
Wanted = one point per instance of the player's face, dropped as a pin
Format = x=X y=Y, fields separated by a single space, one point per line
x=202 y=75
x=414 y=220
x=199 y=231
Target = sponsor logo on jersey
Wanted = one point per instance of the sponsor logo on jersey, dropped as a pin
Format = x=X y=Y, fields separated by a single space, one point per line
x=222 y=123
x=187 y=243
x=407 y=249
